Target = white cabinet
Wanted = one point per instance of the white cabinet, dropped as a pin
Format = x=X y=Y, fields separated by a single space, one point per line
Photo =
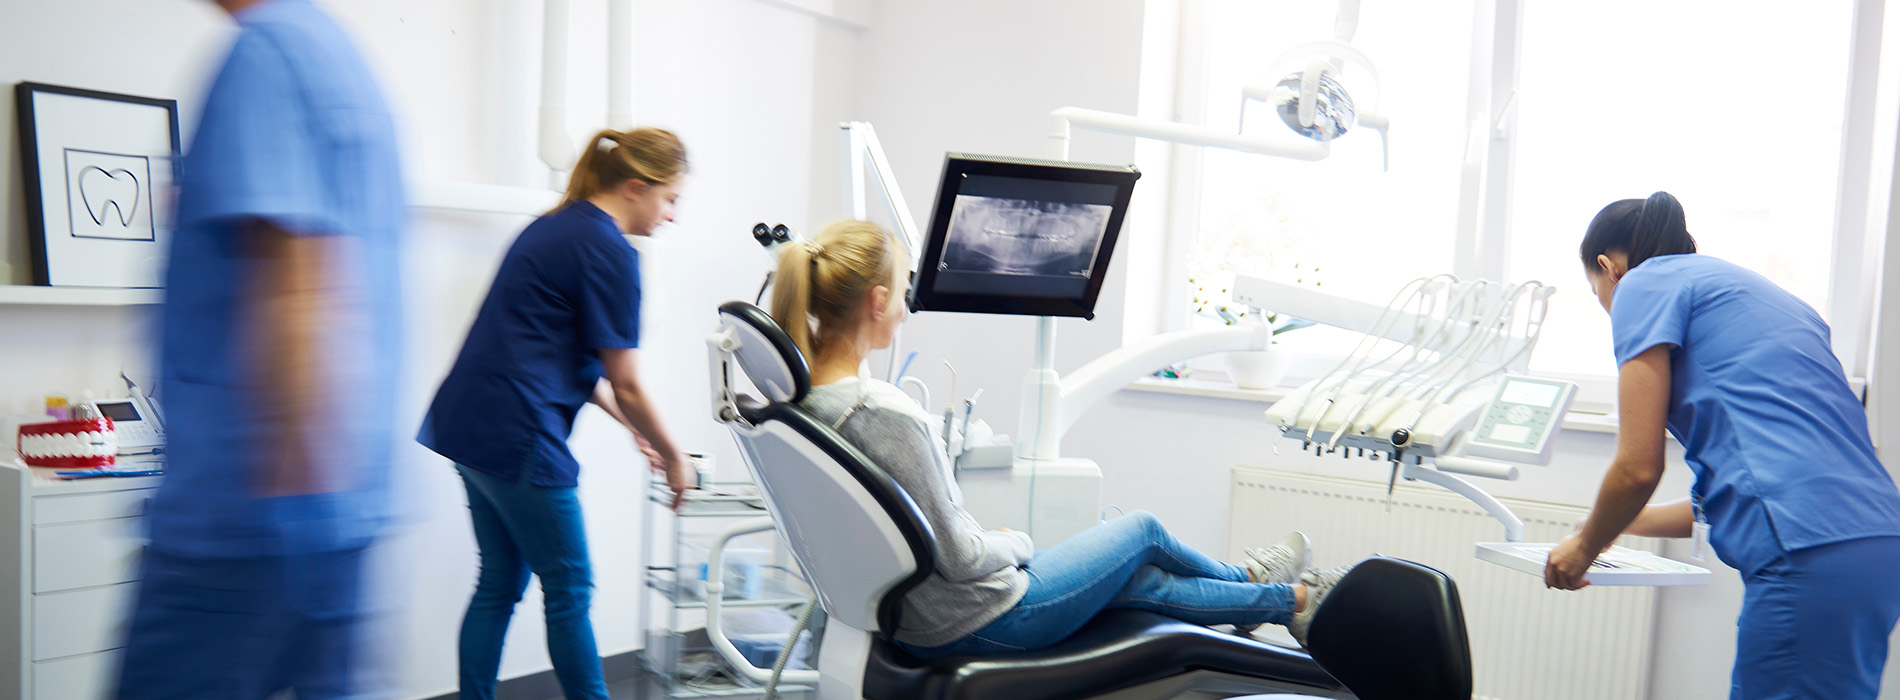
x=68 y=570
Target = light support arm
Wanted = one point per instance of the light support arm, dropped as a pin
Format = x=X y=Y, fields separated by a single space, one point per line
x=861 y=149
x=1513 y=525
x=1095 y=381
x=1064 y=120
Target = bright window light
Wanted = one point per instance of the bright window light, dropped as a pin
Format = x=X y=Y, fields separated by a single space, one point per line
x=1619 y=99
x=1341 y=224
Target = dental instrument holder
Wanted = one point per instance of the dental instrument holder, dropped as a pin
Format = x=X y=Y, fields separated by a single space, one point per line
x=1353 y=406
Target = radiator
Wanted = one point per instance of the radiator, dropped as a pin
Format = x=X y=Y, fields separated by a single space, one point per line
x=1527 y=642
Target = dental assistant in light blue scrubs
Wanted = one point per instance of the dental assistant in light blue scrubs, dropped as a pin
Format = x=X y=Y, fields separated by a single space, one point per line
x=559 y=329
x=279 y=356
x=1787 y=485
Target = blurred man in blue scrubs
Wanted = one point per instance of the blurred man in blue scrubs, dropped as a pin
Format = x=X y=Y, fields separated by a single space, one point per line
x=279 y=344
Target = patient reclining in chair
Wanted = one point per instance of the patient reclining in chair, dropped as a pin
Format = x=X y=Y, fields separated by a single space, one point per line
x=840 y=296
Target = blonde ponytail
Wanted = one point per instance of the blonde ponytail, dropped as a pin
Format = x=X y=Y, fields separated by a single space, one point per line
x=791 y=296
x=820 y=282
x=648 y=154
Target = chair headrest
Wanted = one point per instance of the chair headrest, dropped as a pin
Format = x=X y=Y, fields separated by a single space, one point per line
x=766 y=354
x=1394 y=630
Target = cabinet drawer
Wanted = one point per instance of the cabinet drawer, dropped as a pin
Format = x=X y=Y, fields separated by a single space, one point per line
x=80 y=507
x=82 y=555
x=81 y=622
x=88 y=677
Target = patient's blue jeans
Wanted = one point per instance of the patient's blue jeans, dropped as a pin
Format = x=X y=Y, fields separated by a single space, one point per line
x=524 y=528
x=1131 y=562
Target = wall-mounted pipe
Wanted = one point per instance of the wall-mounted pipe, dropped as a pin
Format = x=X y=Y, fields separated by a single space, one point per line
x=556 y=146
x=619 y=64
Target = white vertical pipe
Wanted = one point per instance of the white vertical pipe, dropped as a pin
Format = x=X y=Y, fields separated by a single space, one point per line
x=1042 y=388
x=854 y=195
x=556 y=146
x=619 y=64
x=511 y=64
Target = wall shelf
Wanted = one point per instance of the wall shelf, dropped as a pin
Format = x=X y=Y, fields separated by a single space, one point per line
x=34 y=295
x=475 y=197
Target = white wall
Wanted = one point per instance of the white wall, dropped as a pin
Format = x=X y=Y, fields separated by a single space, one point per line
x=948 y=77
x=67 y=350
x=755 y=90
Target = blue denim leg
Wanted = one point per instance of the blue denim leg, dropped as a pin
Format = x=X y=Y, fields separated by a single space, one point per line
x=520 y=528
x=1814 y=624
x=1131 y=562
x=503 y=578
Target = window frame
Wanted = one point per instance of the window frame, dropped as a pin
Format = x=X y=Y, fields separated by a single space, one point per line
x=1481 y=238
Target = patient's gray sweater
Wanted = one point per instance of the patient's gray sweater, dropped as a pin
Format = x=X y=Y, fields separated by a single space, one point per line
x=979 y=573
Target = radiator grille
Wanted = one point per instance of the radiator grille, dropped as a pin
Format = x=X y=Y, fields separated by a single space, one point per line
x=1527 y=642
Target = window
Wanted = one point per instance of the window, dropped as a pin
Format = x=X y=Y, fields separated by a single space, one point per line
x=1572 y=107
x=1686 y=100
x=1308 y=222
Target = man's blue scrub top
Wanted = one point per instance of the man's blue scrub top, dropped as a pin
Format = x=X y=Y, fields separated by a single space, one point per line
x=1777 y=440
x=568 y=288
x=294 y=131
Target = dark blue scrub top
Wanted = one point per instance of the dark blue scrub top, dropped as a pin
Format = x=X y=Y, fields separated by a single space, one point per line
x=568 y=288
x=1778 y=442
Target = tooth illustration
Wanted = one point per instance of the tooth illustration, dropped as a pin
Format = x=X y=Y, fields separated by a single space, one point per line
x=101 y=190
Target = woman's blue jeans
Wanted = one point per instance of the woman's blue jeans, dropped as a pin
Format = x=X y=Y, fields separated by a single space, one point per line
x=1131 y=562
x=523 y=528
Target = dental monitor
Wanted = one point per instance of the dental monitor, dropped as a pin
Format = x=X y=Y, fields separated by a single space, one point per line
x=1021 y=236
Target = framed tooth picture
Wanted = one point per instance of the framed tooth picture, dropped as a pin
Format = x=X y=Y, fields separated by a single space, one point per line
x=98 y=168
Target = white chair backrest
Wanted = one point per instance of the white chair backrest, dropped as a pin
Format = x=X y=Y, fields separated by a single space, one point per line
x=859 y=538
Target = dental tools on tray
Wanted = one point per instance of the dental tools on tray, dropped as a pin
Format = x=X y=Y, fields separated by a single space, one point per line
x=1414 y=396
x=1426 y=374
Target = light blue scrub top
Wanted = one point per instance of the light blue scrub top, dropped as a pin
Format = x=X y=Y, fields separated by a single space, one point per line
x=294 y=131
x=1777 y=440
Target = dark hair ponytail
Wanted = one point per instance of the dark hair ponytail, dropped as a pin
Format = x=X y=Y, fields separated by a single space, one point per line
x=1641 y=228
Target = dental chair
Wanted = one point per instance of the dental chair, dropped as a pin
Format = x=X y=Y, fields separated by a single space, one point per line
x=1390 y=630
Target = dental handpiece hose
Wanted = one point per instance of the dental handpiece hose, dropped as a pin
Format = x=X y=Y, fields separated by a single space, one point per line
x=969 y=407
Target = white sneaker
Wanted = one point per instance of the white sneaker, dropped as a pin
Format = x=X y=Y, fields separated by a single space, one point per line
x=1280 y=563
x=1318 y=584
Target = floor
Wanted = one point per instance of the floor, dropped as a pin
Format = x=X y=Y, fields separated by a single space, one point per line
x=647 y=687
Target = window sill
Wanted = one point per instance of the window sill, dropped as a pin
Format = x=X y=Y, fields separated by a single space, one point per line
x=1222 y=389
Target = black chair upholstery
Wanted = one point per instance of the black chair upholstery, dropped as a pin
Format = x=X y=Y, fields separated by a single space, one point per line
x=1394 y=630
x=1119 y=649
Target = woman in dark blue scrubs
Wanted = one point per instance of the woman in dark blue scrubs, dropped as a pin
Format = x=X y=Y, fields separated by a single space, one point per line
x=559 y=329
x=1786 y=481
